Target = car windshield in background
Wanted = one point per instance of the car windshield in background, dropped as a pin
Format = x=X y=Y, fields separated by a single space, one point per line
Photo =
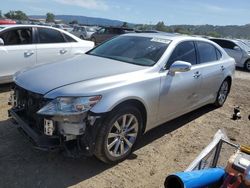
x=143 y=51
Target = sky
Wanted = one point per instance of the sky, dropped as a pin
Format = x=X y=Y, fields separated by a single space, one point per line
x=171 y=12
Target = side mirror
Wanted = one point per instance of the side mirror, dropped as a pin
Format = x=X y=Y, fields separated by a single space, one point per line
x=1 y=42
x=180 y=66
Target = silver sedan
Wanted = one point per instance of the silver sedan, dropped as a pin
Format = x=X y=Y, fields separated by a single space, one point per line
x=100 y=103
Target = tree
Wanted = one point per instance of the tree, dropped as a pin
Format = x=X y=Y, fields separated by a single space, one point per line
x=16 y=15
x=125 y=24
x=1 y=14
x=160 y=26
x=50 y=17
x=214 y=34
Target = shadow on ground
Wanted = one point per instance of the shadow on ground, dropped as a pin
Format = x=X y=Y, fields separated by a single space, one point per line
x=22 y=166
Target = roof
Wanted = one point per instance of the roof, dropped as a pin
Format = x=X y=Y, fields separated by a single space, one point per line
x=23 y=25
x=169 y=36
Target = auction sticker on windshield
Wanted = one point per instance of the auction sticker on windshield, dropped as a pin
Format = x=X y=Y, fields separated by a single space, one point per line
x=161 y=40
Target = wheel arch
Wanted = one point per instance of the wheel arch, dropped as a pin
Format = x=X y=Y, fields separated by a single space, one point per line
x=229 y=78
x=138 y=104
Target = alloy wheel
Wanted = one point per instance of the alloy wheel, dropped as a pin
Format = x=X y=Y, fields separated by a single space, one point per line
x=122 y=135
x=223 y=92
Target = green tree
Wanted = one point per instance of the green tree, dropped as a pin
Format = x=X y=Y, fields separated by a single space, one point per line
x=160 y=26
x=16 y=15
x=50 y=17
x=1 y=14
x=213 y=34
x=125 y=24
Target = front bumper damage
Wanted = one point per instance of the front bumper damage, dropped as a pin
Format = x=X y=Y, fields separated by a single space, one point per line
x=81 y=142
x=73 y=133
x=39 y=140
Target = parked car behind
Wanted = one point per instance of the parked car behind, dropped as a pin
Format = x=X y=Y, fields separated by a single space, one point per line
x=236 y=49
x=23 y=46
x=83 y=32
x=118 y=91
x=63 y=27
x=107 y=33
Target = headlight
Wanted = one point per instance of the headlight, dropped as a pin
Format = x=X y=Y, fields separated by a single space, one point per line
x=69 y=105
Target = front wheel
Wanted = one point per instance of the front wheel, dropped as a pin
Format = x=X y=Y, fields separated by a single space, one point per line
x=118 y=134
x=222 y=93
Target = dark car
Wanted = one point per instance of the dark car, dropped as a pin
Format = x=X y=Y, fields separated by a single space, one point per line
x=106 y=33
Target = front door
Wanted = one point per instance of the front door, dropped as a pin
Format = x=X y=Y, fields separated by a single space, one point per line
x=179 y=92
x=18 y=51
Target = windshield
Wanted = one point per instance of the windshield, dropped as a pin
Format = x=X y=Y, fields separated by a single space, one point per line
x=137 y=50
x=1 y=27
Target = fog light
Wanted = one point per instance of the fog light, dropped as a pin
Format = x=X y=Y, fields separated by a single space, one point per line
x=48 y=127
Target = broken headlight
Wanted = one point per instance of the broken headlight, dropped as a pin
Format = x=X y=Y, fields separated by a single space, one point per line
x=69 y=105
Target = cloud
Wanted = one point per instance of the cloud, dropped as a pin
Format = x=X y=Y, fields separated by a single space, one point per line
x=89 y=4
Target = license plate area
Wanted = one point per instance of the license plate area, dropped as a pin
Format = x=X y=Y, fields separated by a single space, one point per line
x=49 y=127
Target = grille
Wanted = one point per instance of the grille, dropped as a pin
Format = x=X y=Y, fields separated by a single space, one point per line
x=30 y=103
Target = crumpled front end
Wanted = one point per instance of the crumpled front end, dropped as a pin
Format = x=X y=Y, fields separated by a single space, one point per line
x=51 y=131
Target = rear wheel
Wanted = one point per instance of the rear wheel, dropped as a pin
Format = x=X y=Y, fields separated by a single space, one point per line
x=93 y=40
x=247 y=65
x=118 y=134
x=222 y=93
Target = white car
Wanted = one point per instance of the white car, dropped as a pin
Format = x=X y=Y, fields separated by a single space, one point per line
x=23 y=46
x=83 y=32
x=237 y=50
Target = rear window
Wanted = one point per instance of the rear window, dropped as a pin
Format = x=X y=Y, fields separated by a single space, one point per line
x=68 y=38
x=207 y=52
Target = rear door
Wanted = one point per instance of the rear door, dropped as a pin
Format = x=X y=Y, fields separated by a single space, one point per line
x=179 y=92
x=18 y=51
x=52 y=46
x=212 y=71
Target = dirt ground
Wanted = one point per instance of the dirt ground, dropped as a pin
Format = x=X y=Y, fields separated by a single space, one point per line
x=168 y=148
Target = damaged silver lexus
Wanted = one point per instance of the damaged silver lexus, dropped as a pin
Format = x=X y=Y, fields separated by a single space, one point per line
x=102 y=102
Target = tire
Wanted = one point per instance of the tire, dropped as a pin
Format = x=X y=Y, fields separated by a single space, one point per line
x=93 y=40
x=247 y=65
x=222 y=93
x=118 y=134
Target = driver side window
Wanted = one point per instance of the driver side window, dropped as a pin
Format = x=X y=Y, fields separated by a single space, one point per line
x=184 y=51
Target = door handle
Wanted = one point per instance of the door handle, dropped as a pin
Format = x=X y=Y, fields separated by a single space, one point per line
x=222 y=68
x=197 y=74
x=28 y=53
x=63 y=51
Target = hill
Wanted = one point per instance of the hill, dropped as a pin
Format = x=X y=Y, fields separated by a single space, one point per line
x=84 y=20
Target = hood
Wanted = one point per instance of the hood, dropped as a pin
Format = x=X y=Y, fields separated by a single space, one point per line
x=45 y=78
